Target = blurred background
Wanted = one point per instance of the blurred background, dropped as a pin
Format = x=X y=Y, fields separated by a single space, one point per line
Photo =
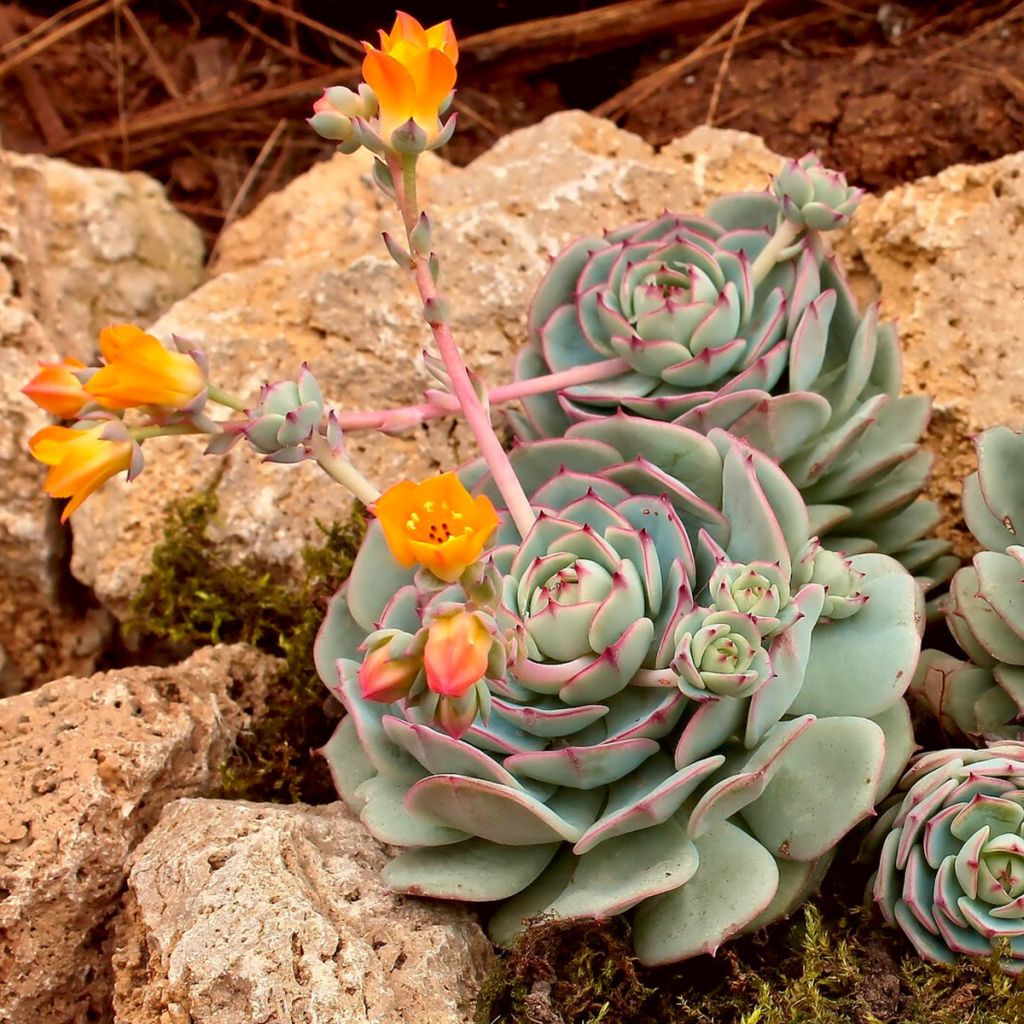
x=210 y=97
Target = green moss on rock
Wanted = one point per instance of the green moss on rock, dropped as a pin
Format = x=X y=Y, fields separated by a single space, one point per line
x=194 y=596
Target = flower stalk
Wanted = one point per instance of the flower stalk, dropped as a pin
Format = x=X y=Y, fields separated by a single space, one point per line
x=403 y=171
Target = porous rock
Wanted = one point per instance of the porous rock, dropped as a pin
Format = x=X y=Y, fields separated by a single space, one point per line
x=86 y=766
x=79 y=248
x=945 y=252
x=240 y=912
x=304 y=277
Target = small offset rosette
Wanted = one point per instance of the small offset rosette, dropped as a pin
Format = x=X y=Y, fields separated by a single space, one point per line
x=813 y=196
x=592 y=745
x=951 y=871
x=288 y=413
x=982 y=698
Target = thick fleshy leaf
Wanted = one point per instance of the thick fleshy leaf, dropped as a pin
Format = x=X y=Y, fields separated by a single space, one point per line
x=494 y=812
x=583 y=767
x=375 y=578
x=476 y=870
x=736 y=881
x=1000 y=468
x=349 y=766
x=798 y=881
x=386 y=818
x=898 y=729
x=648 y=796
x=862 y=665
x=826 y=783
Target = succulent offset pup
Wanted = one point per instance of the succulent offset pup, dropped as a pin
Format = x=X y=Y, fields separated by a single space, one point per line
x=654 y=720
x=951 y=874
x=982 y=698
x=740 y=319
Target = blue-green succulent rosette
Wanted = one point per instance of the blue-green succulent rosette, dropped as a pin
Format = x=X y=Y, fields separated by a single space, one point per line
x=781 y=357
x=951 y=860
x=687 y=705
x=981 y=697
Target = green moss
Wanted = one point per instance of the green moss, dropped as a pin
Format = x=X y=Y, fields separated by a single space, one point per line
x=825 y=966
x=194 y=596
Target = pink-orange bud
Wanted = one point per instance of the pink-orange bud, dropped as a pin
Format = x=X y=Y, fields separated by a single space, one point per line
x=456 y=654
x=386 y=679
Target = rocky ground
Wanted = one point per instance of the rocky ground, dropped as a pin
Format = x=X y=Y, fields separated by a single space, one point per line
x=125 y=893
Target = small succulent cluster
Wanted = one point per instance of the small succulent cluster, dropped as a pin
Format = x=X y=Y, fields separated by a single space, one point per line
x=741 y=320
x=982 y=698
x=655 y=721
x=951 y=873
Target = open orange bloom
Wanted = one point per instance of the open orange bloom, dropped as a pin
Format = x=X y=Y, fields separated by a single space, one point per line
x=412 y=73
x=437 y=523
x=140 y=371
x=81 y=461
x=57 y=390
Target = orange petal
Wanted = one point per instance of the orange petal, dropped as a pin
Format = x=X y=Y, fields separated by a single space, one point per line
x=57 y=390
x=49 y=444
x=442 y=37
x=393 y=87
x=456 y=654
x=437 y=82
x=117 y=338
x=392 y=510
x=408 y=28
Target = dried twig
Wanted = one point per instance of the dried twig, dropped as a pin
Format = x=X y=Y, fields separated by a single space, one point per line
x=349 y=42
x=36 y=94
x=161 y=69
x=15 y=61
x=723 y=67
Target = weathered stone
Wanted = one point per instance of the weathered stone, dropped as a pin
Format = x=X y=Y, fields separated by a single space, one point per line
x=359 y=323
x=240 y=912
x=86 y=765
x=96 y=246
x=79 y=248
x=944 y=250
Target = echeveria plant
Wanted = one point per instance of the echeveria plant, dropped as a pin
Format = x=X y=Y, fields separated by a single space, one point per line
x=616 y=670
x=654 y=721
x=982 y=697
x=951 y=874
x=740 y=319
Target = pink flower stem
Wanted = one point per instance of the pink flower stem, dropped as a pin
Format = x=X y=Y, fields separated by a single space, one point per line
x=403 y=172
x=406 y=416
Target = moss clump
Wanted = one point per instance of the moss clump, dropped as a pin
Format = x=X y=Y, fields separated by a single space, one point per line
x=844 y=968
x=194 y=596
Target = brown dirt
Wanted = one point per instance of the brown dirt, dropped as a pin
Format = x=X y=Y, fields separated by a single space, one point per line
x=212 y=103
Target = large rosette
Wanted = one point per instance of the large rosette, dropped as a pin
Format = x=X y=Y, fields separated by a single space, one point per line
x=787 y=362
x=672 y=724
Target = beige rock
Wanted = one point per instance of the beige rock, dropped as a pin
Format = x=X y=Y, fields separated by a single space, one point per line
x=97 y=246
x=79 y=248
x=945 y=252
x=240 y=912
x=287 y=293
x=86 y=765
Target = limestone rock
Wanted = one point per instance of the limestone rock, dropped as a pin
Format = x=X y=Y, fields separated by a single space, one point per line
x=240 y=912
x=286 y=293
x=97 y=246
x=86 y=765
x=79 y=248
x=945 y=253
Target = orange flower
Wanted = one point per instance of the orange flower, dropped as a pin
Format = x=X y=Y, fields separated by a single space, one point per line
x=140 y=371
x=386 y=679
x=412 y=73
x=80 y=461
x=57 y=390
x=456 y=654
x=437 y=523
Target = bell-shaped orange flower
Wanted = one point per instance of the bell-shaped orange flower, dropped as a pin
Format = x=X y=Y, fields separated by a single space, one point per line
x=437 y=523
x=140 y=371
x=56 y=389
x=386 y=679
x=412 y=73
x=456 y=654
x=80 y=461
